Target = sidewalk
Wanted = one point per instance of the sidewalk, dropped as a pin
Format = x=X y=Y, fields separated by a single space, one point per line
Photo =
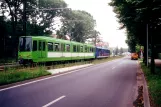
x=142 y=99
x=60 y=70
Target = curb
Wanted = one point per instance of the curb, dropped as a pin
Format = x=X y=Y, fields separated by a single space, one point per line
x=145 y=88
x=66 y=69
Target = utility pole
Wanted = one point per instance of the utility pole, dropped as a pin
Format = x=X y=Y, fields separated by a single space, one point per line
x=147 y=46
x=152 y=56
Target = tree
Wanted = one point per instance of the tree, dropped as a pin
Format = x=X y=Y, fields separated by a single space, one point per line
x=116 y=50
x=38 y=13
x=134 y=15
x=3 y=36
x=121 y=50
x=79 y=24
x=94 y=38
x=44 y=16
x=39 y=17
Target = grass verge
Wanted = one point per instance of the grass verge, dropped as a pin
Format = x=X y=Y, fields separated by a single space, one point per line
x=16 y=75
x=154 y=84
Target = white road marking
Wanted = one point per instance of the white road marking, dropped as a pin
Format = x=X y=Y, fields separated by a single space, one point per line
x=113 y=67
x=121 y=63
x=54 y=101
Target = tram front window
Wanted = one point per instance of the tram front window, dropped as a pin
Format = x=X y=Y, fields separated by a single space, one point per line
x=25 y=44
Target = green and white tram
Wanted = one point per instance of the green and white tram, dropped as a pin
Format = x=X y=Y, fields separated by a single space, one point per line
x=45 y=49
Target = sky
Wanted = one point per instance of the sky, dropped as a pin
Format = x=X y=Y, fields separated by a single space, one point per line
x=105 y=18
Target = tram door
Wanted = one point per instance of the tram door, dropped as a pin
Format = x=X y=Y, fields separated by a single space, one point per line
x=42 y=49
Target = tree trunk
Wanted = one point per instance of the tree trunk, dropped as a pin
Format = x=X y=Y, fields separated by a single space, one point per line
x=24 y=17
x=145 y=54
x=2 y=37
x=13 y=29
x=152 y=56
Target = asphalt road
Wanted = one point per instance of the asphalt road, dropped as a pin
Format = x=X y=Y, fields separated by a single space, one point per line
x=111 y=84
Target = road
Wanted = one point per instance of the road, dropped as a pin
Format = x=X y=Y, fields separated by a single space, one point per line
x=110 y=84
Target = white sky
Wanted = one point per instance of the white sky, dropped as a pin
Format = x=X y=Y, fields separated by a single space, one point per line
x=105 y=18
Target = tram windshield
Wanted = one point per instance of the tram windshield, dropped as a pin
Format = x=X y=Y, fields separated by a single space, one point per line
x=25 y=44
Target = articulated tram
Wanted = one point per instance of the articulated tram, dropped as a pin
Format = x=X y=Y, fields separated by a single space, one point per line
x=35 y=49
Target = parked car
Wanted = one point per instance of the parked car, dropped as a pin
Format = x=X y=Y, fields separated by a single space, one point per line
x=134 y=56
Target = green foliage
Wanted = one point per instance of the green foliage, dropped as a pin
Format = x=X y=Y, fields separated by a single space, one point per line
x=134 y=15
x=159 y=55
x=154 y=84
x=79 y=24
x=39 y=21
x=39 y=14
x=138 y=48
x=94 y=38
x=14 y=75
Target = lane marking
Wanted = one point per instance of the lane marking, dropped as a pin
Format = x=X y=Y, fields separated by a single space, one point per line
x=54 y=101
x=109 y=62
x=113 y=67
x=121 y=63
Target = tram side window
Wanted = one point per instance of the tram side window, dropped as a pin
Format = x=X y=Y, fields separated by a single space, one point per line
x=57 y=47
x=92 y=49
x=78 y=48
x=43 y=46
x=88 y=50
x=25 y=44
x=74 y=48
x=68 y=47
x=62 y=47
x=81 y=48
x=40 y=46
x=85 y=48
x=34 y=45
x=50 y=46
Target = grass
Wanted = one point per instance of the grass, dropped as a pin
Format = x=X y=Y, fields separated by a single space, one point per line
x=154 y=84
x=15 y=75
